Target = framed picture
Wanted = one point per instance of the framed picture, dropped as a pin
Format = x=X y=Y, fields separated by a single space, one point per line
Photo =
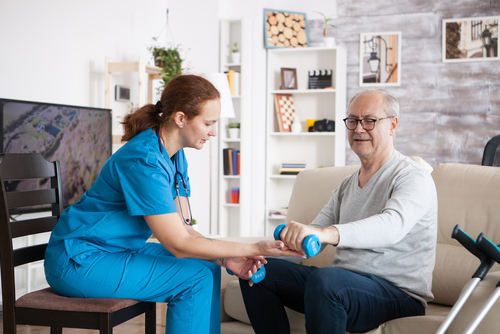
x=285 y=111
x=288 y=78
x=285 y=29
x=470 y=39
x=380 y=59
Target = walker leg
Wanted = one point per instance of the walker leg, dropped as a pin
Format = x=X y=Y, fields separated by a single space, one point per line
x=469 y=288
x=484 y=310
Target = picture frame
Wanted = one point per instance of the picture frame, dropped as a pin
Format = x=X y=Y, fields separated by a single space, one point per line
x=285 y=29
x=285 y=111
x=380 y=58
x=470 y=39
x=288 y=78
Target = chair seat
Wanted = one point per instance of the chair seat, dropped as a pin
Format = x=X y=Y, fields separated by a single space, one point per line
x=47 y=299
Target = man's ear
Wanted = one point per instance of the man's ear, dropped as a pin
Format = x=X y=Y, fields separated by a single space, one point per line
x=394 y=125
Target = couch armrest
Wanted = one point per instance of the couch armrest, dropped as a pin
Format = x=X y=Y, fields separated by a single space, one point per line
x=475 y=302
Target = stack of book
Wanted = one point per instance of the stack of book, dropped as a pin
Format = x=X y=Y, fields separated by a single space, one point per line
x=231 y=159
x=278 y=213
x=292 y=168
x=234 y=82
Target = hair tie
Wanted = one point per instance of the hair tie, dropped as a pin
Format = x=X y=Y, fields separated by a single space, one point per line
x=158 y=107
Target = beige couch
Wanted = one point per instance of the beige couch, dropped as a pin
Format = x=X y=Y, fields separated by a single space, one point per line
x=468 y=195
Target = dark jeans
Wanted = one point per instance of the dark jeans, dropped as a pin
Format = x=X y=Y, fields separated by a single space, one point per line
x=333 y=300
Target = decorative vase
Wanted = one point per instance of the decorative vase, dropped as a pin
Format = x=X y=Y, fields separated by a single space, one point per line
x=234 y=133
x=235 y=57
x=329 y=42
x=296 y=126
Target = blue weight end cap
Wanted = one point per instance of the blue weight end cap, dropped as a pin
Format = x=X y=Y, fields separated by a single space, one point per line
x=277 y=231
x=257 y=277
x=311 y=245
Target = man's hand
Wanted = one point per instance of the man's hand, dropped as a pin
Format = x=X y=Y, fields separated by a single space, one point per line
x=294 y=233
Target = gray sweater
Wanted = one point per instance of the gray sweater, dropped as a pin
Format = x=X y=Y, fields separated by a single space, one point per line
x=388 y=228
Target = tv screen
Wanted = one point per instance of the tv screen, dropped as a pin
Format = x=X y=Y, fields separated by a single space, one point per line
x=78 y=137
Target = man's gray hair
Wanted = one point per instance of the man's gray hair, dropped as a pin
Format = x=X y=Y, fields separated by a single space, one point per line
x=391 y=103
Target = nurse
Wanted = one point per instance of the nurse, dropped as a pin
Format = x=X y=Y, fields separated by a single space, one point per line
x=98 y=248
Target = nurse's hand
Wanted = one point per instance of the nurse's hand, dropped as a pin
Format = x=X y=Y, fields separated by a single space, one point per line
x=278 y=248
x=244 y=267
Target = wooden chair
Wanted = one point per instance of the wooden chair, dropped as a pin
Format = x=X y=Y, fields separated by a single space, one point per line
x=45 y=307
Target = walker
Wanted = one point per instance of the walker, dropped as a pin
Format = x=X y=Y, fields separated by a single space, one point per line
x=486 y=263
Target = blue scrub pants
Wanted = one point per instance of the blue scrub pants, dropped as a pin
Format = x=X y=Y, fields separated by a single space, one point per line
x=191 y=287
x=333 y=300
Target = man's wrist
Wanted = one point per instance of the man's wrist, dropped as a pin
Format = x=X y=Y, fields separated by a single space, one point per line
x=330 y=235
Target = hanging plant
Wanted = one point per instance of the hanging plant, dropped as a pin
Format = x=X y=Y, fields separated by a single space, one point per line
x=169 y=60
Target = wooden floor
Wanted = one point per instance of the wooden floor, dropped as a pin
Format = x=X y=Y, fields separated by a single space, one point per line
x=134 y=326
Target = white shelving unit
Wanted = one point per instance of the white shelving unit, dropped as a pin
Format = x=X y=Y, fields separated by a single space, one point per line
x=145 y=72
x=234 y=219
x=316 y=149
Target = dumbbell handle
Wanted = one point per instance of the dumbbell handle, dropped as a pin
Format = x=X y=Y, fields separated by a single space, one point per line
x=257 y=277
x=311 y=244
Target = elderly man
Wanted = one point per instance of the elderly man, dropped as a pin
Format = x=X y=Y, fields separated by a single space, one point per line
x=383 y=221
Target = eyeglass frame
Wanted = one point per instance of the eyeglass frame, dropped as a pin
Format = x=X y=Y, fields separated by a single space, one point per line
x=360 y=121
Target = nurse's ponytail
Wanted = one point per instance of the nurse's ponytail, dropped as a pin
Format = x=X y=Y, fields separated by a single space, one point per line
x=186 y=93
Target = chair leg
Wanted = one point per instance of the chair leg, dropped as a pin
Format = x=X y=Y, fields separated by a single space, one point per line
x=105 y=324
x=55 y=330
x=151 y=320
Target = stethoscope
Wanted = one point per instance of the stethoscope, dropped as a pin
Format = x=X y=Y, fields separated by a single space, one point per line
x=188 y=221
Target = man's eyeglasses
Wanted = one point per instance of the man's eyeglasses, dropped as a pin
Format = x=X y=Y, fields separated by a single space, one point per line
x=366 y=123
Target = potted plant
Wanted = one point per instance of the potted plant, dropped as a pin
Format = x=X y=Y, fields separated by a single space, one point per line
x=234 y=130
x=169 y=60
x=329 y=41
x=235 y=53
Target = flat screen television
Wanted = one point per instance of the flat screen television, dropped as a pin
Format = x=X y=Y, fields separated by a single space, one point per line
x=78 y=137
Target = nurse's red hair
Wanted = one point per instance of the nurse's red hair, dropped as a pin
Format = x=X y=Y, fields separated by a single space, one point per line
x=186 y=93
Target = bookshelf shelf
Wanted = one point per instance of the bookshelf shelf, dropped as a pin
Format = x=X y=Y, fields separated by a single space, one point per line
x=305 y=134
x=234 y=219
x=303 y=91
x=315 y=149
x=277 y=176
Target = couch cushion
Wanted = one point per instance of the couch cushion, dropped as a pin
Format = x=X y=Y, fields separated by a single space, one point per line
x=468 y=195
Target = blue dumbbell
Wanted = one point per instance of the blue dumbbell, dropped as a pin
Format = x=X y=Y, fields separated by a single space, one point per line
x=311 y=243
x=257 y=277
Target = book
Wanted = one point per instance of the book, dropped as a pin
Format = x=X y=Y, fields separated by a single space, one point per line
x=238 y=163
x=230 y=153
x=225 y=158
x=235 y=162
x=231 y=80
x=236 y=83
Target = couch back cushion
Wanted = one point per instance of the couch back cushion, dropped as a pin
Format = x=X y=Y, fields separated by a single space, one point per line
x=468 y=195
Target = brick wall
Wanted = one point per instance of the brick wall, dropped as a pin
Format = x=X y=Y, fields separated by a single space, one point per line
x=448 y=110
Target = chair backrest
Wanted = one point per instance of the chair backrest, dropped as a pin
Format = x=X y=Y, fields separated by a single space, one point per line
x=30 y=167
x=491 y=154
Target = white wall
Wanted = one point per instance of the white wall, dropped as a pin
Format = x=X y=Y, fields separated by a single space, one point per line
x=254 y=11
x=53 y=51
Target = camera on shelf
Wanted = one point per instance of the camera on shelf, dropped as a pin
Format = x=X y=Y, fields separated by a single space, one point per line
x=324 y=125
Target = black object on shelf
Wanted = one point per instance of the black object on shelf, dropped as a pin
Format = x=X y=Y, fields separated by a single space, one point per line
x=320 y=79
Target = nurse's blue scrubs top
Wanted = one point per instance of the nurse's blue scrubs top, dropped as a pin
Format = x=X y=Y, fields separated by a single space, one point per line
x=136 y=181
